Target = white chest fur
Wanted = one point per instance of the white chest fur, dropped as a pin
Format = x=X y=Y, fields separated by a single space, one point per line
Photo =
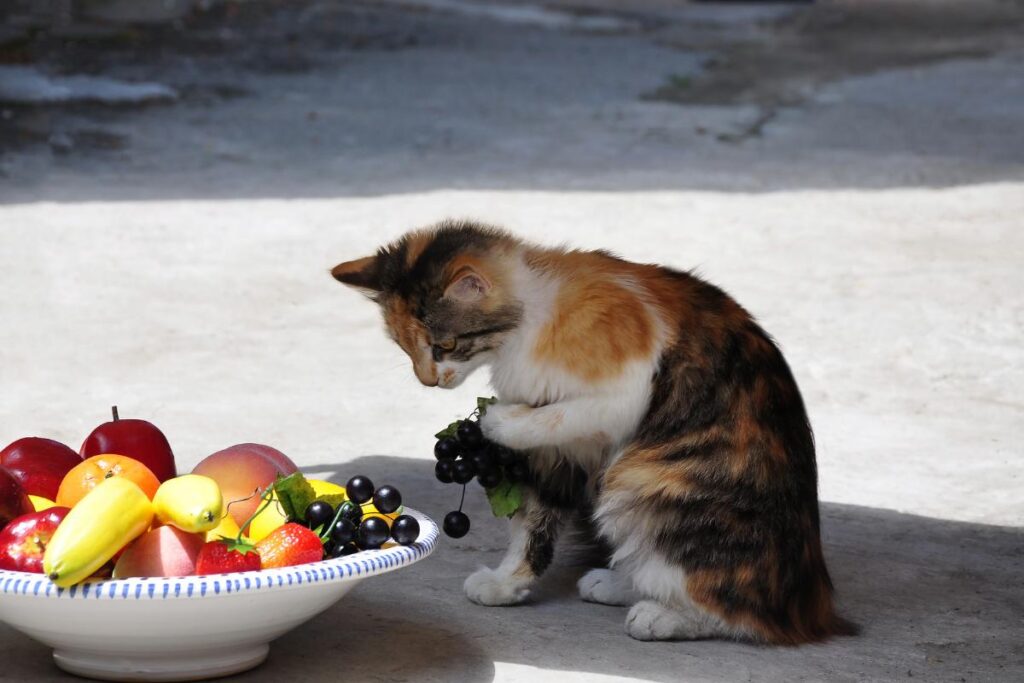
x=589 y=419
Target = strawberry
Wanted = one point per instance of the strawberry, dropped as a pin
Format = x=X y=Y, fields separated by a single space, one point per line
x=289 y=545
x=227 y=555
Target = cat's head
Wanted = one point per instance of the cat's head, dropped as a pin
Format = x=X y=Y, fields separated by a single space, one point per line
x=446 y=296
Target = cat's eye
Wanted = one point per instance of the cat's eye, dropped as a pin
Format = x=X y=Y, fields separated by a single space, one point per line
x=446 y=344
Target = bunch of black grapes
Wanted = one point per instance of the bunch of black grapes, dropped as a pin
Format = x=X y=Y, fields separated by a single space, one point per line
x=345 y=530
x=468 y=454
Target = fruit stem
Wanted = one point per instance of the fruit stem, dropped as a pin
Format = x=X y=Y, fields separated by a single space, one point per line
x=463 y=497
x=113 y=411
x=227 y=508
x=337 y=515
x=260 y=508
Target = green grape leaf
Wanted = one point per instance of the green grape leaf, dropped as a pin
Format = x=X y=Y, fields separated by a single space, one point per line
x=294 y=494
x=505 y=498
x=482 y=403
x=332 y=499
x=450 y=430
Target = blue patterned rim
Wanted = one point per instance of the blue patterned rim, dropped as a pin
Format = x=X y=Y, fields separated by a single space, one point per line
x=359 y=565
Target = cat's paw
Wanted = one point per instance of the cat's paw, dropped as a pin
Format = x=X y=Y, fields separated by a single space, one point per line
x=650 y=620
x=502 y=424
x=488 y=587
x=605 y=587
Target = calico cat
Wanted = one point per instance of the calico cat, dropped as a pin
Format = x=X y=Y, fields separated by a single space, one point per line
x=648 y=401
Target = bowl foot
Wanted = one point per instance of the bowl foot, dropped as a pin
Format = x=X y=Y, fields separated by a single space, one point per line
x=190 y=666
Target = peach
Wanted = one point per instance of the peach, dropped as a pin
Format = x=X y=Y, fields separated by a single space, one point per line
x=164 y=551
x=243 y=470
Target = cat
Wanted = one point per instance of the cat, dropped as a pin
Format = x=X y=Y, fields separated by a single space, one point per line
x=648 y=401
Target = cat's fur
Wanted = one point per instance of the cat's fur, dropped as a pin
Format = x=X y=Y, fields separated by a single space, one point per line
x=646 y=398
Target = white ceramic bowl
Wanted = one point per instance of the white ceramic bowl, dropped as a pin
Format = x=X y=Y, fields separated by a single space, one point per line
x=188 y=628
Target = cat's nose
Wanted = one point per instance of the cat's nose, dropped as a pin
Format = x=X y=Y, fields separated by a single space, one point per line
x=427 y=376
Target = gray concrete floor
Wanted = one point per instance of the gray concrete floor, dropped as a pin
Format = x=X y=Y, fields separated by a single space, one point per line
x=173 y=259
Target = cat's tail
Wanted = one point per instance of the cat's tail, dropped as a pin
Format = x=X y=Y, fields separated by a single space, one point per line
x=844 y=627
x=811 y=615
x=801 y=629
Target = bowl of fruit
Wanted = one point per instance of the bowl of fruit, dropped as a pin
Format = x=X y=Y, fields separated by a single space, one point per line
x=133 y=575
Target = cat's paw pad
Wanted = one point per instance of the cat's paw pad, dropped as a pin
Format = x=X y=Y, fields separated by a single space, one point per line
x=604 y=587
x=488 y=587
x=649 y=620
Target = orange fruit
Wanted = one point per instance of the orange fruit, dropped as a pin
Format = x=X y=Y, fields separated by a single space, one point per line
x=84 y=477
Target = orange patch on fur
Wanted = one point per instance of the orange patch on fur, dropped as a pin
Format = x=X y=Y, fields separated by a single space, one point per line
x=411 y=335
x=653 y=285
x=343 y=271
x=703 y=587
x=643 y=475
x=415 y=243
x=597 y=327
x=810 y=620
x=491 y=268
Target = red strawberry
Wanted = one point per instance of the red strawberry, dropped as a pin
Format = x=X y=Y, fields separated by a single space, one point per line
x=225 y=556
x=289 y=545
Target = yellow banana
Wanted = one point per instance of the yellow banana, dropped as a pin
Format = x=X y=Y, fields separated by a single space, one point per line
x=191 y=502
x=109 y=517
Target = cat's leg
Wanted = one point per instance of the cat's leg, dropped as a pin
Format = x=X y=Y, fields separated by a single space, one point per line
x=667 y=612
x=595 y=422
x=534 y=529
x=664 y=609
x=607 y=587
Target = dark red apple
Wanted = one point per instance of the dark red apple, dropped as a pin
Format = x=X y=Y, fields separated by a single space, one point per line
x=14 y=501
x=23 y=541
x=136 y=439
x=39 y=464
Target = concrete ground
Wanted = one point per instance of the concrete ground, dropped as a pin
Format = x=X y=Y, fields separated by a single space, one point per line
x=861 y=193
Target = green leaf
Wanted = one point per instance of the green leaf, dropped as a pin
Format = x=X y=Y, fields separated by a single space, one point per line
x=332 y=499
x=450 y=430
x=482 y=403
x=294 y=494
x=242 y=546
x=505 y=498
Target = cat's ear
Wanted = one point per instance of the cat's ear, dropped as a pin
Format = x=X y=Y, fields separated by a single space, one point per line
x=468 y=286
x=362 y=274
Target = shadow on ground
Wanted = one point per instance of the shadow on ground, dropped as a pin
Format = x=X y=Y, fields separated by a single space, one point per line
x=949 y=593
x=937 y=600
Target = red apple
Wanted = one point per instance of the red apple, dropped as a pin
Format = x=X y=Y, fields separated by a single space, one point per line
x=164 y=551
x=136 y=439
x=243 y=470
x=14 y=501
x=39 y=464
x=23 y=541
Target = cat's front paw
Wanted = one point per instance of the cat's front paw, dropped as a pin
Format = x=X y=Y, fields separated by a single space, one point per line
x=488 y=587
x=503 y=423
